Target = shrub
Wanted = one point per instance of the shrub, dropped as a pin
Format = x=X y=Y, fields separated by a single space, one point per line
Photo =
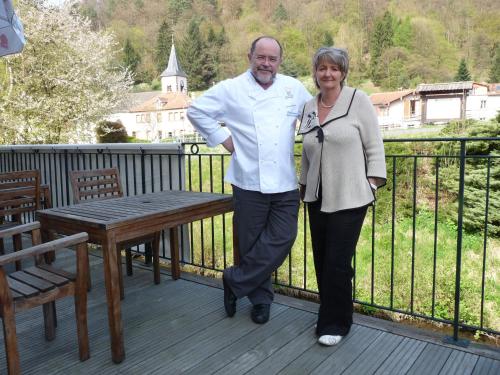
x=111 y=132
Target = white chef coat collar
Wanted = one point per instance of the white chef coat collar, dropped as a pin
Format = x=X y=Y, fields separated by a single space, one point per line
x=256 y=90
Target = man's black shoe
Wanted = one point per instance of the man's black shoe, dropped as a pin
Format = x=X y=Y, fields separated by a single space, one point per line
x=229 y=299
x=260 y=313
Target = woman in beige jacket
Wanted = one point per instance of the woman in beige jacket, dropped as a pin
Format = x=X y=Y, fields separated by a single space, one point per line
x=343 y=164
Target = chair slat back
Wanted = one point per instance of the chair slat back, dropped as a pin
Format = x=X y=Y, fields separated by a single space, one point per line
x=19 y=193
x=95 y=184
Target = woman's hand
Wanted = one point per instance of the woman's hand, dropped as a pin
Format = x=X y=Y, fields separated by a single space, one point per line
x=374 y=183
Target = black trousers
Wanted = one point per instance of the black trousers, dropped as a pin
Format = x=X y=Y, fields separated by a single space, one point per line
x=334 y=238
x=267 y=227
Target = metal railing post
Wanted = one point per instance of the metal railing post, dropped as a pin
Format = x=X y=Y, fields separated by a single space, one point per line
x=461 y=185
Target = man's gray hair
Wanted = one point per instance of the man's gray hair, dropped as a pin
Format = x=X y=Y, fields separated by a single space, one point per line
x=337 y=56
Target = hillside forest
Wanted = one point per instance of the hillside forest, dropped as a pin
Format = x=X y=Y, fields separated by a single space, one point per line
x=392 y=43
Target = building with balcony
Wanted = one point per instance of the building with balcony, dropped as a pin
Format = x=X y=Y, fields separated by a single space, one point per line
x=436 y=103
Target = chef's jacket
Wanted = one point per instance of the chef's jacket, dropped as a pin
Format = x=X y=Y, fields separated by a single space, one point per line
x=262 y=125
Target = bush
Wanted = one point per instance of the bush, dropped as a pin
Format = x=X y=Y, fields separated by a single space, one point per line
x=476 y=173
x=111 y=132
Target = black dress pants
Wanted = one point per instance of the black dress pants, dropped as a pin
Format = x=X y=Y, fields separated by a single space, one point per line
x=334 y=238
x=267 y=227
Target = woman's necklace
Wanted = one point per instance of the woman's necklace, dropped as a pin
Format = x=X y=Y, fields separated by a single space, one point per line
x=323 y=103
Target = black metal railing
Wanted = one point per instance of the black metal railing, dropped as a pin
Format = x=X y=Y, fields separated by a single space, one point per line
x=427 y=248
x=421 y=220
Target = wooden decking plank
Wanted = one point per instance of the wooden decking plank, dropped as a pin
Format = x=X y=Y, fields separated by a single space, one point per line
x=316 y=354
x=247 y=342
x=348 y=352
x=207 y=341
x=486 y=366
x=459 y=363
x=255 y=354
x=134 y=321
x=162 y=323
x=97 y=330
x=177 y=339
x=98 y=291
x=431 y=360
x=374 y=355
x=402 y=358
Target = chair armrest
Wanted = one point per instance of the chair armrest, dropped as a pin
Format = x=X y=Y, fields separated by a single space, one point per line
x=24 y=228
x=44 y=248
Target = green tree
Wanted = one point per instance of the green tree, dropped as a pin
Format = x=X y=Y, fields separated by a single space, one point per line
x=327 y=39
x=64 y=82
x=495 y=67
x=463 y=73
x=383 y=32
x=403 y=33
x=163 y=46
x=177 y=7
x=131 y=58
x=213 y=51
x=280 y=14
x=111 y=132
x=196 y=59
x=476 y=175
x=290 y=68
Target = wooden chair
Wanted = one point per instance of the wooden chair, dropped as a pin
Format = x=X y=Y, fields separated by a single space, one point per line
x=20 y=194
x=42 y=284
x=99 y=184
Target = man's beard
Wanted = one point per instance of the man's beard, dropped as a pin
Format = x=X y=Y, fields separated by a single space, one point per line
x=264 y=78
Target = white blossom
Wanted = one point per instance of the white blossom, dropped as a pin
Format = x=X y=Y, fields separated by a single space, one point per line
x=65 y=80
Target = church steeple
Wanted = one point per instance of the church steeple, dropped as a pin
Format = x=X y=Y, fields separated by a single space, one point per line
x=173 y=79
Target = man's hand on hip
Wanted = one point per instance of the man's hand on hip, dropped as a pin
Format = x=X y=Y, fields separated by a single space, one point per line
x=228 y=144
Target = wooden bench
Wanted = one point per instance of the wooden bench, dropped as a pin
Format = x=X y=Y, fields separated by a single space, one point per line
x=41 y=285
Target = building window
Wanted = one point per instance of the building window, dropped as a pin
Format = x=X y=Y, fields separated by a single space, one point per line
x=134 y=134
x=169 y=88
x=137 y=119
x=170 y=116
x=413 y=107
x=148 y=117
x=158 y=117
x=160 y=135
x=170 y=134
x=483 y=103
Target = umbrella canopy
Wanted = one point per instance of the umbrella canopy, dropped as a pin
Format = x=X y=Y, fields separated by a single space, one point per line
x=11 y=30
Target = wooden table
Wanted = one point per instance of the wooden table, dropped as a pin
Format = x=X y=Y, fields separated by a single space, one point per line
x=109 y=222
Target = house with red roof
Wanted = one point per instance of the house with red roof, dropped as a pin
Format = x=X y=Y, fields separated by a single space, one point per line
x=159 y=115
x=397 y=109
x=436 y=103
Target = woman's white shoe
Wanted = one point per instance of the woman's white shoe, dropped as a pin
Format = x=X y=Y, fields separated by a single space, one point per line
x=329 y=340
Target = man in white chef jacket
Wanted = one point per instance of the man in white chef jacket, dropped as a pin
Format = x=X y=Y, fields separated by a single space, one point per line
x=259 y=109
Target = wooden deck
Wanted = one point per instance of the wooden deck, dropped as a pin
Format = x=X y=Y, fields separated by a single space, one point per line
x=180 y=327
